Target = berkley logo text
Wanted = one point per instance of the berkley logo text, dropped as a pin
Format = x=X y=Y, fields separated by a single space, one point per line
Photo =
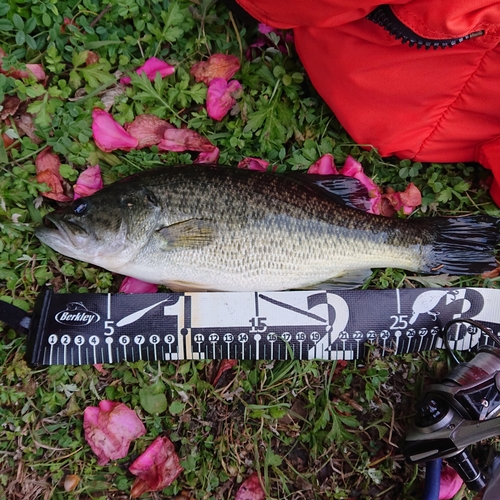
x=76 y=314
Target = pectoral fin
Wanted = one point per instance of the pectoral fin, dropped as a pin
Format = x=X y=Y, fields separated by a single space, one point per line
x=192 y=233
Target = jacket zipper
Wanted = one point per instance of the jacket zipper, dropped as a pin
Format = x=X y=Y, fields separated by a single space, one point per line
x=383 y=16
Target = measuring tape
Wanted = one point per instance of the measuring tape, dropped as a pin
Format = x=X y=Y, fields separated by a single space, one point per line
x=79 y=329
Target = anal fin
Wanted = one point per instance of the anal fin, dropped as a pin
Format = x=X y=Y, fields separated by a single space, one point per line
x=348 y=281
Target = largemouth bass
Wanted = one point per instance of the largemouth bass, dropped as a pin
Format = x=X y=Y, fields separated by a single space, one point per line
x=206 y=227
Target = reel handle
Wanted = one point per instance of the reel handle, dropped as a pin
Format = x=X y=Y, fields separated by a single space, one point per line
x=468 y=470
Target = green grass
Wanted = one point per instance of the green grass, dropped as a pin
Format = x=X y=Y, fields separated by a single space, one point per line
x=312 y=430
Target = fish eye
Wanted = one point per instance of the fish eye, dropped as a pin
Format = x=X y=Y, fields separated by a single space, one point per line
x=80 y=206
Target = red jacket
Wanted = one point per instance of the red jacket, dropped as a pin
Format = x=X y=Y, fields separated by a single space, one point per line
x=439 y=105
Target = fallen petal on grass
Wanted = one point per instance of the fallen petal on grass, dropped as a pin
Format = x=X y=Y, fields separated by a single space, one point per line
x=47 y=172
x=148 y=130
x=91 y=58
x=109 y=134
x=450 y=483
x=411 y=198
x=208 y=156
x=265 y=29
x=26 y=126
x=10 y=105
x=183 y=139
x=324 y=166
x=156 y=468
x=407 y=201
x=8 y=141
x=353 y=168
x=221 y=97
x=253 y=164
x=225 y=365
x=109 y=428
x=151 y=67
x=251 y=489
x=57 y=191
x=388 y=203
x=491 y=274
x=67 y=22
x=47 y=160
x=132 y=285
x=216 y=66
x=285 y=35
x=37 y=71
x=100 y=368
x=264 y=41
x=88 y=182
x=32 y=70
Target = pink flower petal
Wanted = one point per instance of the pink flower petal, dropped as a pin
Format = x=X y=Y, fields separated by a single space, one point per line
x=37 y=71
x=284 y=35
x=151 y=67
x=265 y=29
x=132 y=285
x=154 y=65
x=288 y=36
x=221 y=97
x=251 y=489
x=109 y=429
x=263 y=41
x=208 y=156
x=225 y=365
x=67 y=22
x=408 y=200
x=47 y=160
x=99 y=367
x=47 y=172
x=388 y=204
x=92 y=58
x=57 y=190
x=109 y=134
x=216 y=66
x=147 y=129
x=254 y=164
x=411 y=198
x=156 y=468
x=184 y=139
x=88 y=182
x=375 y=205
x=324 y=166
x=353 y=168
x=450 y=483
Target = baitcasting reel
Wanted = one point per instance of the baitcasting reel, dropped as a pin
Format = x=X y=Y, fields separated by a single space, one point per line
x=460 y=411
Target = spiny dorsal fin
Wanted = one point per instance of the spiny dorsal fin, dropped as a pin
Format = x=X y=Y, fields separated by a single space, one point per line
x=341 y=189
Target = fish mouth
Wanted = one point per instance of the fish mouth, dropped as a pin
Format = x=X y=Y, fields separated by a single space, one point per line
x=57 y=232
x=67 y=227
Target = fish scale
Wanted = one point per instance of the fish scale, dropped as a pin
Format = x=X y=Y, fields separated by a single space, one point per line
x=207 y=227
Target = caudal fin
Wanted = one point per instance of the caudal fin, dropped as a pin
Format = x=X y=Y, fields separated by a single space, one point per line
x=464 y=245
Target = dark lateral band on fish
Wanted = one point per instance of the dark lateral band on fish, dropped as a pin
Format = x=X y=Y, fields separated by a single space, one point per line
x=209 y=227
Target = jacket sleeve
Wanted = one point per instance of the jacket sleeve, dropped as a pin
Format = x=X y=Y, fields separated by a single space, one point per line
x=286 y=14
x=488 y=155
x=428 y=18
